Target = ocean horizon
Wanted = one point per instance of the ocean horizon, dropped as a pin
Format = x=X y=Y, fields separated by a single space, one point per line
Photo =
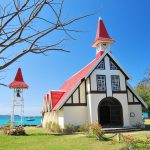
x=5 y=119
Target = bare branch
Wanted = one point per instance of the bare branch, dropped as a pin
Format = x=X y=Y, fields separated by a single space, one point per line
x=23 y=25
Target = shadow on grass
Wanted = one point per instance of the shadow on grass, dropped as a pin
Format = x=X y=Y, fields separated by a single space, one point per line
x=43 y=134
x=37 y=134
x=105 y=139
x=147 y=127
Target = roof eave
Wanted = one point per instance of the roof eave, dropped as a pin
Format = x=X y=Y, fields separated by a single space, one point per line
x=97 y=41
x=61 y=102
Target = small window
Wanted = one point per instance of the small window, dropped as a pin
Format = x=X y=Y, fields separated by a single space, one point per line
x=101 y=83
x=115 y=82
x=101 y=65
x=113 y=66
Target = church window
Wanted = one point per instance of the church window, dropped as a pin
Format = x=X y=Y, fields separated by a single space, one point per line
x=101 y=65
x=115 y=83
x=101 y=82
x=113 y=66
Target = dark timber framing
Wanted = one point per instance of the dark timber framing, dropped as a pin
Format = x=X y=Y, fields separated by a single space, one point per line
x=76 y=104
x=90 y=82
x=119 y=92
x=79 y=102
x=111 y=59
x=99 y=63
x=79 y=92
x=85 y=92
x=134 y=96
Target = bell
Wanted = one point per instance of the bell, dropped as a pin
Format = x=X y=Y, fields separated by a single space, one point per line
x=18 y=93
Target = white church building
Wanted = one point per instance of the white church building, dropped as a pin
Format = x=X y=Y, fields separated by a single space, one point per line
x=98 y=92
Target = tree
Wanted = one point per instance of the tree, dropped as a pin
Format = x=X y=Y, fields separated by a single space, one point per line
x=20 y=30
x=143 y=88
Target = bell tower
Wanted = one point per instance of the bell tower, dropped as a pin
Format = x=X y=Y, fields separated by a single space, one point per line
x=18 y=85
x=102 y=41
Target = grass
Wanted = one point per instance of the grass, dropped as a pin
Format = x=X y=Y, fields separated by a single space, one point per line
x=39 y=139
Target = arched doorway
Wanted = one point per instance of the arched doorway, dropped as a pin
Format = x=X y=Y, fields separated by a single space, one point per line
x=110 y=112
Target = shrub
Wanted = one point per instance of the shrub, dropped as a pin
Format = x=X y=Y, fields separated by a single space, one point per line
x=95 y=129
x=6 y=129
x=53 y=127
x=48 y=125
x=69 y=128
x=136 y=144
x=84 y=128
x=16 y=131
x=20 y=131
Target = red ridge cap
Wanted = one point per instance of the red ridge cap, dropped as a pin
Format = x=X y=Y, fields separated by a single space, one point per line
x=99 y=54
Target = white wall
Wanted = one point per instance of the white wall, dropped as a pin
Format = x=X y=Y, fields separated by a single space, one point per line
x=137 y=110
x=93 y=101
x=69 y=101
x=88 y=85
x=61 y=117
x=122 y=98
x=75 y=96
x=82 y=93
x=76 y=115
x=49 y=117
x=130 y=96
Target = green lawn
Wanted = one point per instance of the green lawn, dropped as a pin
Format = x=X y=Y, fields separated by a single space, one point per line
x=39 y=139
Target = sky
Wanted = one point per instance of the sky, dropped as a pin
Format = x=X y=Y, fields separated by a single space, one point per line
x=127 y=22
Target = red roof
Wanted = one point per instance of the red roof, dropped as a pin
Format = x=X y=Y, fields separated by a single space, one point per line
x=70 y=84
x=18 y=81
x=101 y=34
x=56 y=96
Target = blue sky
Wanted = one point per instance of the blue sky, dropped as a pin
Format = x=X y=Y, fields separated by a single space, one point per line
x=127 y=22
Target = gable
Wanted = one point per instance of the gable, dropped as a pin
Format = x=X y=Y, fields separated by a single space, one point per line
x=101 y=65
x=56 y=96
x=111 y=60
x=71 y=84
x=78 y=97
x=134 y=98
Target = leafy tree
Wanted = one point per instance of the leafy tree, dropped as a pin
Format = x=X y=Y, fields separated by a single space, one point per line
x=143 y=88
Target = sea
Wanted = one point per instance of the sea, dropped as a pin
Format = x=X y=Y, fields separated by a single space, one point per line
x=36 y=120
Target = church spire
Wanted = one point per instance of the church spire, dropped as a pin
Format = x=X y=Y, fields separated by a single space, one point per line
x=102 y=40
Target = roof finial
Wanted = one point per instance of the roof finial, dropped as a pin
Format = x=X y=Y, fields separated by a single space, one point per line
x=99 y=18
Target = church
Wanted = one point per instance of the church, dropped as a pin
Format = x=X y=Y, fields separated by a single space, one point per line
x=98 y=92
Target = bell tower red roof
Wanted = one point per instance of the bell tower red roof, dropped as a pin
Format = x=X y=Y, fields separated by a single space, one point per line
x=18 y=81
x=101 y=34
